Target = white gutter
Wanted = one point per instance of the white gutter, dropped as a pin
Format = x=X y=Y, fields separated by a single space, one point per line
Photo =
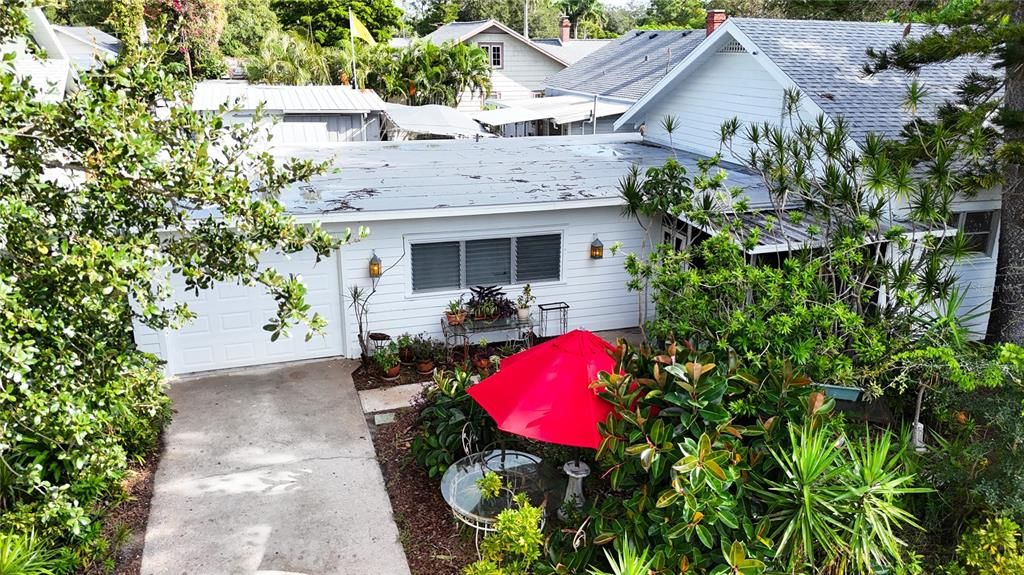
x=390 y=215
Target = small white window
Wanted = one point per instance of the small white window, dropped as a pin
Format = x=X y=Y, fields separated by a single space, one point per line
x=495 y=54
x=979 y=227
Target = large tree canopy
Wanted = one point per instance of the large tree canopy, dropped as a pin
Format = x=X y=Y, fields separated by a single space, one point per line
x=327 y=20
x=101 y=196
x=248 y=22
x=988 y=118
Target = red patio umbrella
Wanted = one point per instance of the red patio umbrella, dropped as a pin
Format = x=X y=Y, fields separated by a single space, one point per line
x=544 y=392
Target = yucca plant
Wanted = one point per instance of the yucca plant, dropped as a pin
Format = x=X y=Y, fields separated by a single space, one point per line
x=837 y=504
x=24 y=555
x=626 y=561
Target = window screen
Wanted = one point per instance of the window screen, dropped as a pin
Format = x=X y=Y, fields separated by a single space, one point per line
x=435 y=266
x=492 y=261
x=538 y=258
x=489 y=262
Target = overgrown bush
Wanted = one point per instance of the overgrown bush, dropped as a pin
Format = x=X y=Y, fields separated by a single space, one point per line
x=102 y=194
x=698 y=457
x=448 y=420
x=515 y=545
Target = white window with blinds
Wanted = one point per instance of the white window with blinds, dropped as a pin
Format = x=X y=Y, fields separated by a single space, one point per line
x=504 y=261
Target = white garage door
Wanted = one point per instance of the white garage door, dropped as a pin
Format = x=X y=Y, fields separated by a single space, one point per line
x=228 y=330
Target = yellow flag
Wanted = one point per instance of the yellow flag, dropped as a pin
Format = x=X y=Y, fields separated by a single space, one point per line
x=358 y=30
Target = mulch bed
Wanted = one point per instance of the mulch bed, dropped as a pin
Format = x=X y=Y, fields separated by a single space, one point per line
x=372 y=380
x=433 y=542
x=125 y=524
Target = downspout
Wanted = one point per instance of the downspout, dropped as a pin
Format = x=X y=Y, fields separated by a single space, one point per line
x=364 y=126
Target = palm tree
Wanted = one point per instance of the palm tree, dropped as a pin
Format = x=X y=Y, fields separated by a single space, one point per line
x=578 y=10
x=469 y=70
x=287 y=58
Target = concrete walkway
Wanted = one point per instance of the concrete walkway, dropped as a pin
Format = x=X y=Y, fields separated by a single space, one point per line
x=271 y=471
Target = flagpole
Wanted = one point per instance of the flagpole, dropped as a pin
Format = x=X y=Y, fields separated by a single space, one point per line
x=352 y=39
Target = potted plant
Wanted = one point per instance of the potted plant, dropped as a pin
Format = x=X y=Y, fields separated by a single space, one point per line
x=523 y=303
x=486 y=310
x=405 y=348
x=456 y=312
x=386 y=359
x=424 y=350
x=490 y=303
x=482 y=359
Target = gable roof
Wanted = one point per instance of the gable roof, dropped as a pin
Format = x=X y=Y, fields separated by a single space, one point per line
x=824 y=60
x=464 y=31
x=630 y=66
x=103 y=45
x=212 y=94
x=49 y=72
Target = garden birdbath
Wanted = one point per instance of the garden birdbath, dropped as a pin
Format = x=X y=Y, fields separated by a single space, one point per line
x=577 y=471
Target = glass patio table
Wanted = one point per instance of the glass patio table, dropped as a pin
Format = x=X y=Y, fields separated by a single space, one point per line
x=520 y=473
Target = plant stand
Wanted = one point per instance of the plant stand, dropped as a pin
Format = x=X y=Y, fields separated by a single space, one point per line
x=577 y=471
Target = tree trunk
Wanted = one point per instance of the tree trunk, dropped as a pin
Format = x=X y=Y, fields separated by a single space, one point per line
x=1007 y=320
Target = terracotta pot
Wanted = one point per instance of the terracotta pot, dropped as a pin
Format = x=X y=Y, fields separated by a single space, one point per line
x=423 y=367
x=392 y=373
x=482 y=361
x=456 y=318
x=405 y=355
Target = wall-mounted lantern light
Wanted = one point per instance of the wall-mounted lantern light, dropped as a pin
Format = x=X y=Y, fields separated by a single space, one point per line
x=375 y=270
x=596 y=249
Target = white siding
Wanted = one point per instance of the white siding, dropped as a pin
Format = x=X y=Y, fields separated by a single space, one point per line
x=595 y=289
x=605 y=125
x=313 y=128
x=726 y=86
x=977 y=273
x=523 y=71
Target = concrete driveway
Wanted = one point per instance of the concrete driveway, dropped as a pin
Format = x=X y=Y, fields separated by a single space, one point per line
x=271 y=471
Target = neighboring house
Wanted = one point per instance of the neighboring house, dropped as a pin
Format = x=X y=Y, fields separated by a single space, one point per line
x=590 y=95
x=518 y=66
x=744 y=68
x=87 y=46
x=298 y=114
x=623 y=71
x=41 y=59
x=443 y=216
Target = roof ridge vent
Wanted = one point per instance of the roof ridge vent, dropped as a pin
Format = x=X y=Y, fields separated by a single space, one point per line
x=732 y=47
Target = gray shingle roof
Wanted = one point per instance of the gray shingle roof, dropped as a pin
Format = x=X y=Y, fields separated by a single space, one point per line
x=572 y=51
x=454 y=31
x=825 y=59
x=630 y=66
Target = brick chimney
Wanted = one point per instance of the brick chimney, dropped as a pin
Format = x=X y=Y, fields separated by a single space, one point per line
x=715 y=19
x=564 y=27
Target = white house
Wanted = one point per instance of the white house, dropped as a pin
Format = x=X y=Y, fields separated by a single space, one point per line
x=447 y=215
x=303 y=114
x=41 y=59
x=443 y=216
x=518 y=66
x=742 y=71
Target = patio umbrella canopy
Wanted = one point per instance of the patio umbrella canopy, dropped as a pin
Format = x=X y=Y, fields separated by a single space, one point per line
x=544 y=392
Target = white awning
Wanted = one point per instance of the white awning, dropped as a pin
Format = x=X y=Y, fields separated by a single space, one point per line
x=434 y=120
x=559 y=109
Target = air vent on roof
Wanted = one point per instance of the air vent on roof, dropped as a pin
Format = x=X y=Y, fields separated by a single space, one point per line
x=733 y=47
x=652 y=36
